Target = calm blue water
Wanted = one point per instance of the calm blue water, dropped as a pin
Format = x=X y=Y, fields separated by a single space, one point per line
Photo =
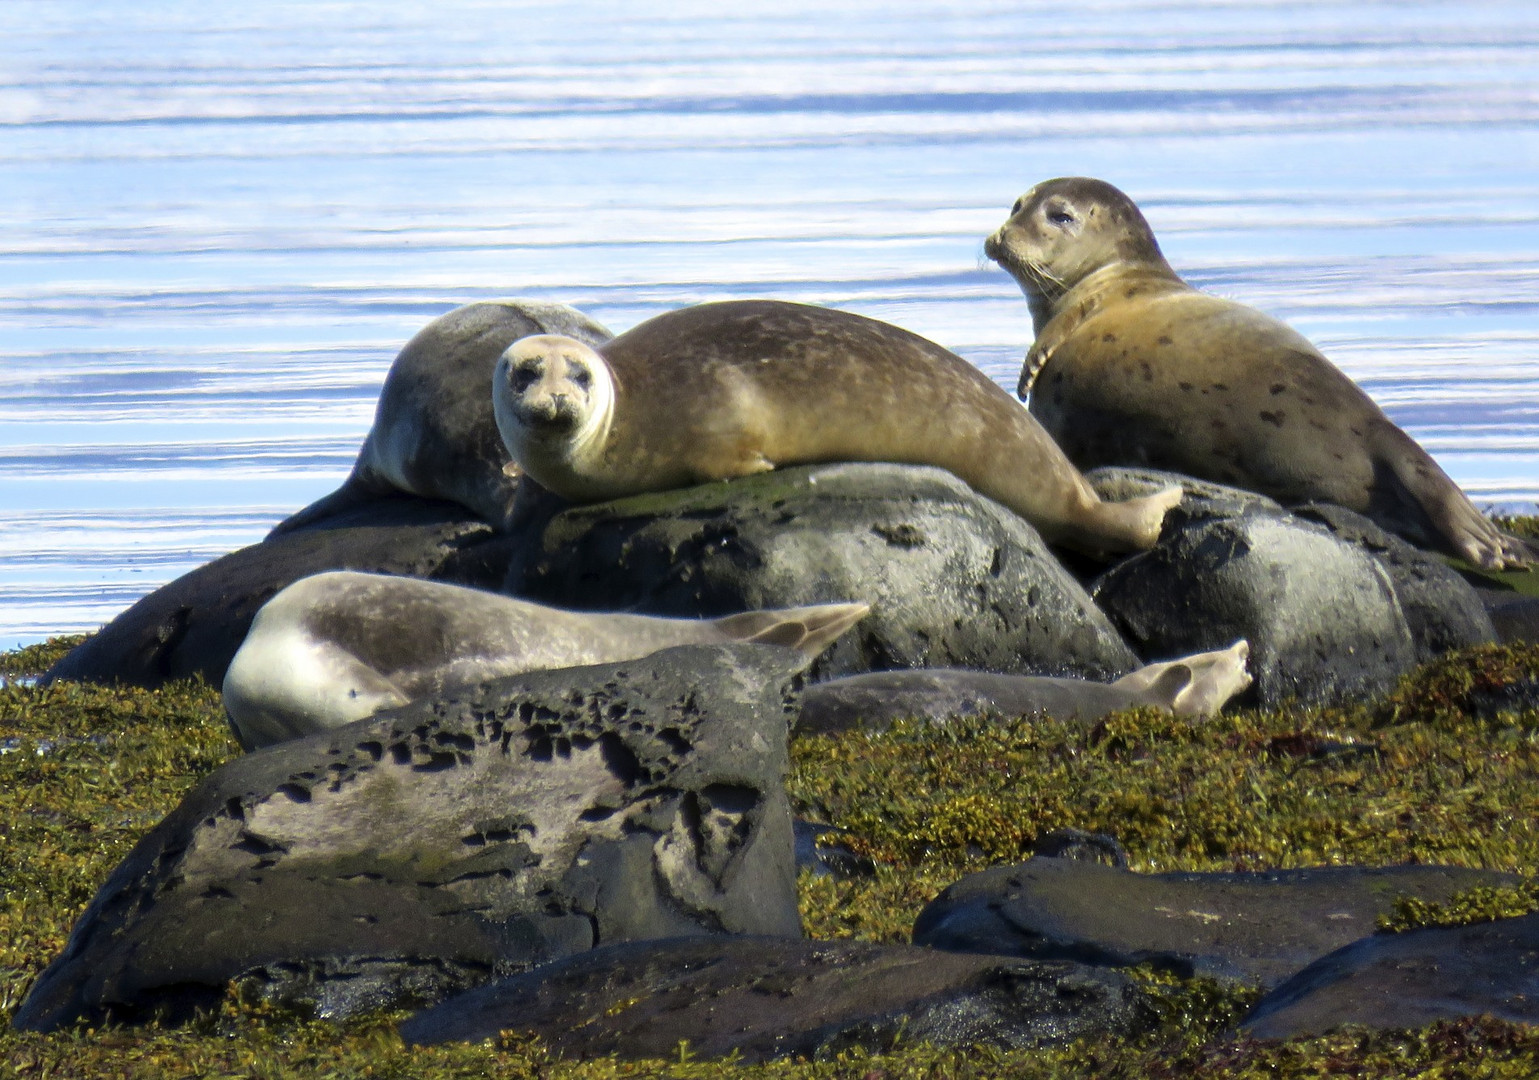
x=219 y=221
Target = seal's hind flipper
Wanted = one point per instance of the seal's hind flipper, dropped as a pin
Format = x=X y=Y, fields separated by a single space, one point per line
x=1196 y=685
x=807 y=629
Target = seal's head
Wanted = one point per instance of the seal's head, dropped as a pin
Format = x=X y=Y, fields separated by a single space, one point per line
x=1062 y=231
x=553 y=398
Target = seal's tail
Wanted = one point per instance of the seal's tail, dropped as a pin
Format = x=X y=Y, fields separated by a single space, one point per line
x=807 y=629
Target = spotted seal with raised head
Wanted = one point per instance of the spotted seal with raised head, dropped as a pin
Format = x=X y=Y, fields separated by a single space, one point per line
x=735 y=388
x=1132 y=366
x=337 y=647
x=434 y=435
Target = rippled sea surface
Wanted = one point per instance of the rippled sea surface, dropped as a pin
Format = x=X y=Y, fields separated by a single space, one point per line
x=219 y=222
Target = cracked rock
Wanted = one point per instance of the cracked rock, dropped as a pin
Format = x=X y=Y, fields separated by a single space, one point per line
x=436 y=846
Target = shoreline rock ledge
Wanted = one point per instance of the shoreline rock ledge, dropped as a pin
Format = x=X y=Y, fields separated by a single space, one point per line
x=429 y=849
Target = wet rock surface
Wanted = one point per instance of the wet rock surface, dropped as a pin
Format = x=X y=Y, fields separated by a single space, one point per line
x=1515 y=617
x=953 y=579
x=1321 y=615
x=764 y=998
x=441 y=844
x=193 y=625
x=1200 y=499
x=1254 y=927
x=1410 y=979
x=1442 y=610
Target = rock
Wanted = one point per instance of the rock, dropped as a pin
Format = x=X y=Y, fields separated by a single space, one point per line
x=193 y=625
x=1321 y=615
x=953 y=578
x=763 y=998
x=1195 y=686
x=1409 y=980
x=1442 y=610
x=434 y=435
x=1082 y=846
x=1201 y=498
x=446 y=842
x=1254 y=928
x=1515 y=616
x=821 y=850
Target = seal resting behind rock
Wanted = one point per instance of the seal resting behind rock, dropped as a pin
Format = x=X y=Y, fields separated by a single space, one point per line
x=337 y=647
x=1132 y=366
x=742 y=387
x=433 y=434
x=1196 y=686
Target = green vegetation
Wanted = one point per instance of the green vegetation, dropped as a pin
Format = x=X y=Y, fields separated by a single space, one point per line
x=1430 y=774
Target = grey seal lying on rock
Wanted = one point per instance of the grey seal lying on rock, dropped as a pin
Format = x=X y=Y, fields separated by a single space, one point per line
x=337 y=647
x=434 y=435
x=1196 y=685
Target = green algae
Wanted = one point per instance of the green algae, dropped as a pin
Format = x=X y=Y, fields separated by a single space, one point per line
x=1429 y=774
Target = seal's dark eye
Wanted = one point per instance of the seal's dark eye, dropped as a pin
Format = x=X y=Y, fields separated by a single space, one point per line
x=580 y=377
x=525 y=377
x=1059 y=216
x=1019 y=203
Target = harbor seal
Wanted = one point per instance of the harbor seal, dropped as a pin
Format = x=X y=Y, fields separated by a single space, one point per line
x=1132 y=366
x=337 y=647
x=1195 y=686
x=433 y=434
x=741 y=387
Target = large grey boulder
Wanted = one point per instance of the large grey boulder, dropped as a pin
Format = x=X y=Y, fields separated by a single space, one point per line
x=953 y=579
x=1254 y=927
x=1321 y=615
x=762 y=998
x=441 y=844
x=193 y=625
x=1409 y=980
x=1442 y=610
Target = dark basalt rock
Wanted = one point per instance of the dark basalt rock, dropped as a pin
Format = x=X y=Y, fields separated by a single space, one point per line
x=1441 y=609
x=193 y=625
x=1200 y=499
x=1254 y=928
x=439 y=845
x=1410 y=980
x=763 y=998
x=1515 y=616
x=953 y=578
x=821 y=851
x=1321 y=615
